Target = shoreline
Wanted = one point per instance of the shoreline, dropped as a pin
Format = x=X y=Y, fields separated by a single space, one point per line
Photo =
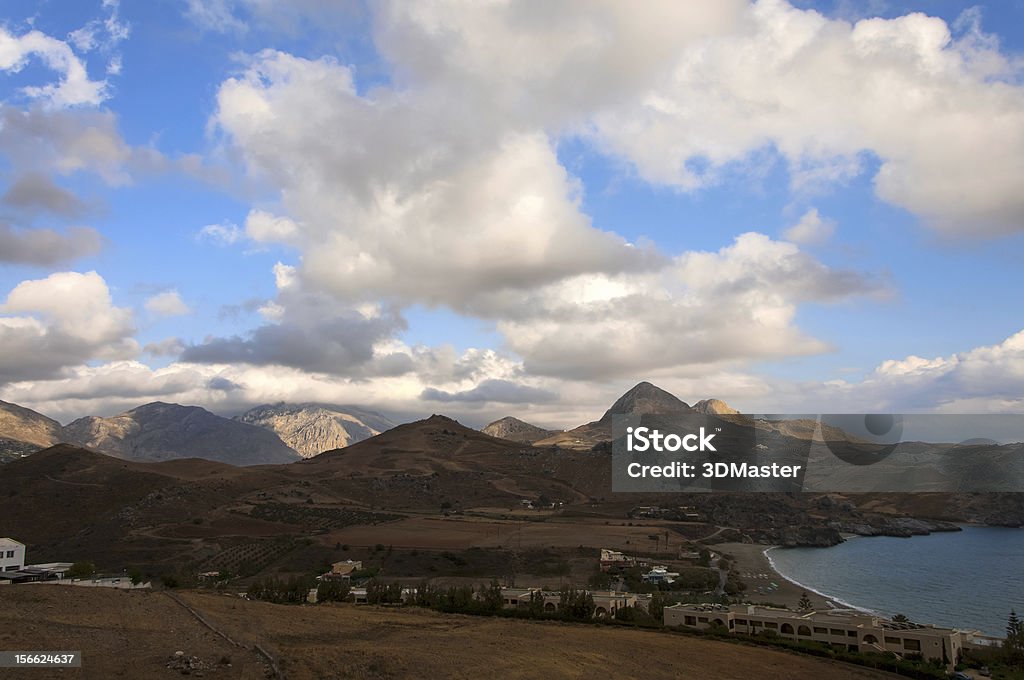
x=831 y=601
x=760 y=574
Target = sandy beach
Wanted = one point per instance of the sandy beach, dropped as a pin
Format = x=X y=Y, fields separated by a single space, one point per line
x=758 y=574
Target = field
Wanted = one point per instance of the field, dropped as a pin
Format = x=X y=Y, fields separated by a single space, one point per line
x=450 y=533
x=131 y=635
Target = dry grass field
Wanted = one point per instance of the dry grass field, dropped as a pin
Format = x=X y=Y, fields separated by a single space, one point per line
x=451 y=533
x=131 y=635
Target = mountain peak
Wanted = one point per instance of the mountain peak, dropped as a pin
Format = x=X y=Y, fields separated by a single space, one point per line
x=516 y=430
x=645 y=398
x=312 y=428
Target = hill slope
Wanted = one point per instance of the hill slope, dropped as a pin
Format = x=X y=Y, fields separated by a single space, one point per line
x=313 y=428
x=516 y=430
x=25 y=425
x=160 y=431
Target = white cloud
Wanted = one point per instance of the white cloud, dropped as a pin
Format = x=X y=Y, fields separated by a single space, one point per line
x=168 y=303
x=944 y=116
x=706 y=309
x=75 y=88
x=811 y=229
x=417 y=210
x=263 y=227
x=64 y=320
x=224 y=234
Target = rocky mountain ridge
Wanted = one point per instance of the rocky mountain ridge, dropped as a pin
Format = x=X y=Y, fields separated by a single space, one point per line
x=161 y=431
x=312 y=428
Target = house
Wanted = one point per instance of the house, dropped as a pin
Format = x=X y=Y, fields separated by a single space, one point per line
x=660 y=574
x=344 y=569
x=613 y=560
x=842 y=630
x=12 y=555
x=606 y=602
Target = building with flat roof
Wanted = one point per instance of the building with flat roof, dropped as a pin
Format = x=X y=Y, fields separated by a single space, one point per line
x=842 y=629
x=12 y=555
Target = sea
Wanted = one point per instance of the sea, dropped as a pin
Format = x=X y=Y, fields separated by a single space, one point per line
x=968 y=579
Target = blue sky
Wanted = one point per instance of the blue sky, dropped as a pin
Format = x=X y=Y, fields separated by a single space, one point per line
x=511 y=210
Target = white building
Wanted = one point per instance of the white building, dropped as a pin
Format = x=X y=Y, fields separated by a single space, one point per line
x=12 y=555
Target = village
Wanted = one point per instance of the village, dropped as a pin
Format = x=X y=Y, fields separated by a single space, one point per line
x=710 y=611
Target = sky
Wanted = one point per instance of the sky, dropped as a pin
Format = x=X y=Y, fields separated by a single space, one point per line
x=512 y=208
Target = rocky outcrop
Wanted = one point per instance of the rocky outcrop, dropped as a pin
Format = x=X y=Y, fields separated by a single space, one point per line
x=312 y=429
x=902 y=527
x=714 y=407
x=516 y=430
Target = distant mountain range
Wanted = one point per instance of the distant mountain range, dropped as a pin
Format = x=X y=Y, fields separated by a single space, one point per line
x=282 y=432
x=311 y=429
x=160 y=431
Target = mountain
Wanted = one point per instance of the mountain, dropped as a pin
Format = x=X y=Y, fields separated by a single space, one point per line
x=24 y=431
x=25 y=425
x=160 y=431
x=643 y=399
x=516 y=430
x=714 y=407
x=312 y=428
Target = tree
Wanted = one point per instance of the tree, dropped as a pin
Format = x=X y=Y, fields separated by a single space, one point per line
x=1013 y=646
x=805 y=603
x=490 y=596
x=536 y=604
x=332 y=590
x=900 y=618
x=83 y=569
x=705 y=558
x=656 y=608
x=135 y=574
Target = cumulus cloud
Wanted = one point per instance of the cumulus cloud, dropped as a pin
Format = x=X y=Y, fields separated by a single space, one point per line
x=262 y=227
x=64 y=320
x=944 y=115
x=311 y=332
x=45 y=247
x=811 y=229
x=443 y=187
x=493 y=390
x=735 y=304
x=420 y=209
x=75 y=88
x=168 y=303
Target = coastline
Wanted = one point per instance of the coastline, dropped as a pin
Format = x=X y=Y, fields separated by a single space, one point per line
x=759 y=572
x=831 y=601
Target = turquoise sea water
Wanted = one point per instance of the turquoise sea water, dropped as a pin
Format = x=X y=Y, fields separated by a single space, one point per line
x=965 y=579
